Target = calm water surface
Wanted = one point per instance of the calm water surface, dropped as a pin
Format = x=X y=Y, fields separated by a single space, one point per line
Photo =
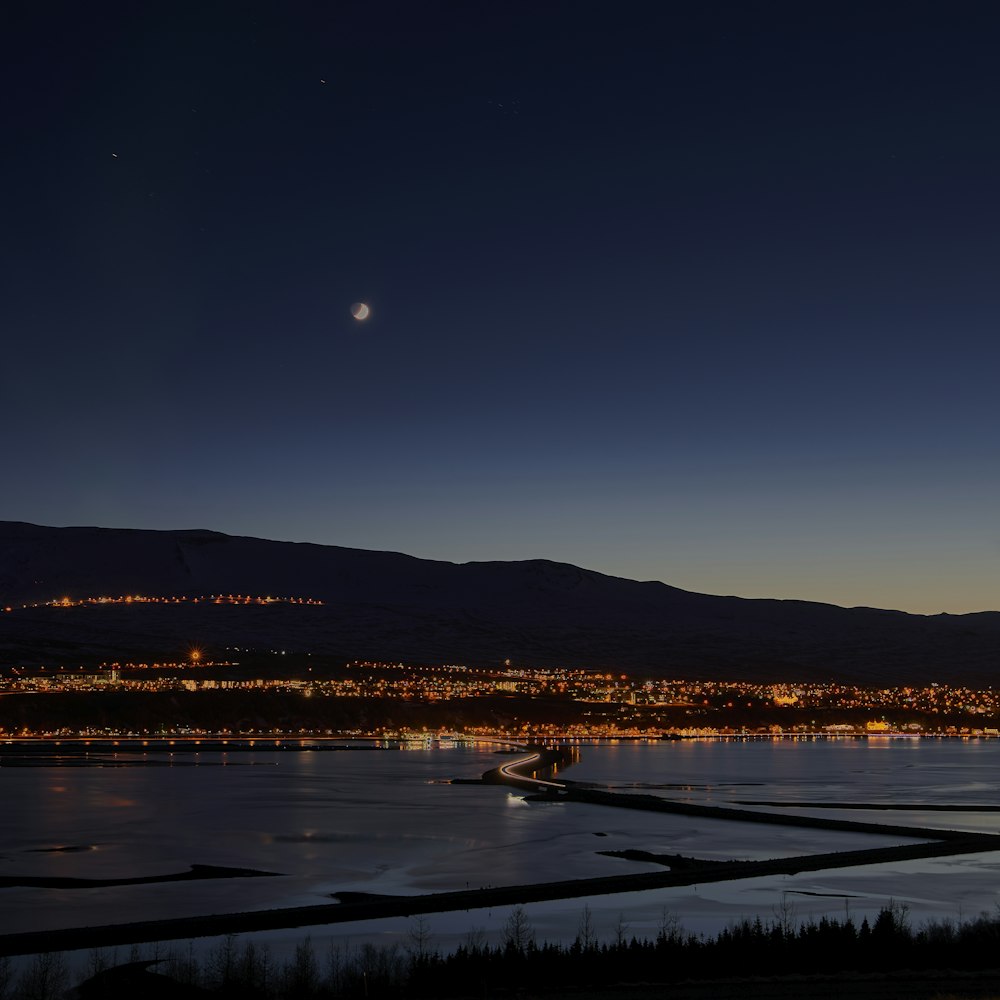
x=880 y=770
x=387 y=821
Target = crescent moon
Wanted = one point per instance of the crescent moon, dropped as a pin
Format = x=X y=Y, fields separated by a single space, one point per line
x=360 y=311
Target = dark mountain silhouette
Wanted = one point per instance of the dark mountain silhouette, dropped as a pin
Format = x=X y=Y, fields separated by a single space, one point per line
x=386 y=605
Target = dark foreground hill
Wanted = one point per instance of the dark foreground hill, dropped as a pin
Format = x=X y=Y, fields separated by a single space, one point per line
x=385 y=605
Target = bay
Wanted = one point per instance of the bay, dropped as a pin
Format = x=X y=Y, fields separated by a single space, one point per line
x=388 y=821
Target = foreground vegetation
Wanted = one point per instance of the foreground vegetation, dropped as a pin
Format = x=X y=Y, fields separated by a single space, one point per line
x=519 y=965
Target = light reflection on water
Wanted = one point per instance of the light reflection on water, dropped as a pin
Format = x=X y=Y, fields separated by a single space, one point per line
x=879 y=772
x=385 y=821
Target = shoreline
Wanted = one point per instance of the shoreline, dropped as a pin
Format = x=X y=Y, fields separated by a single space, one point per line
x=373 y=907
x=196 y=873
x=931 y=843
x=297 y=742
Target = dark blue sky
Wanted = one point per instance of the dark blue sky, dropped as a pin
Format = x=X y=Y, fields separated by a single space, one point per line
x=705 y=293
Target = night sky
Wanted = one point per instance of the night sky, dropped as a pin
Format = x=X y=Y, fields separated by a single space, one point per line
x=698 y=292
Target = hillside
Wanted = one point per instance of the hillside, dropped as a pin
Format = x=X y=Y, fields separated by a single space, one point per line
x=388 y=605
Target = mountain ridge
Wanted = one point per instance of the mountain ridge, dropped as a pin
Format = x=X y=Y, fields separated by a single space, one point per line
x=383 y=604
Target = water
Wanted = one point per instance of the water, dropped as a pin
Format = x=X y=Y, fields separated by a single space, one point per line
x=877 y=771
x=386 y=821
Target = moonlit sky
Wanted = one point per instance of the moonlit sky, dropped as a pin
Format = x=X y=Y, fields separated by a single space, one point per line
x=704 y=293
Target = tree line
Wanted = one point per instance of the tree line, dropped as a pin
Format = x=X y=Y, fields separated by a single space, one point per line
x=518 y=962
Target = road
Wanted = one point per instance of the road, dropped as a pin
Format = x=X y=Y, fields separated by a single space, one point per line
x=510 y=769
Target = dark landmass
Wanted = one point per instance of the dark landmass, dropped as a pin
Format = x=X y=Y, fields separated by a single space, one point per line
x=675 y=967
x=897 y=985
x=195 y=873
x=286 y=712
x=267 y=711
x=137 y=979
x=675 y=862
x=362 y=897
x=385 y=605
x=67 y=849
x=889 y=806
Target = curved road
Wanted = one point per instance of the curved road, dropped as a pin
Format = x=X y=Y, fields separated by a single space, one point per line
x=509 y=771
